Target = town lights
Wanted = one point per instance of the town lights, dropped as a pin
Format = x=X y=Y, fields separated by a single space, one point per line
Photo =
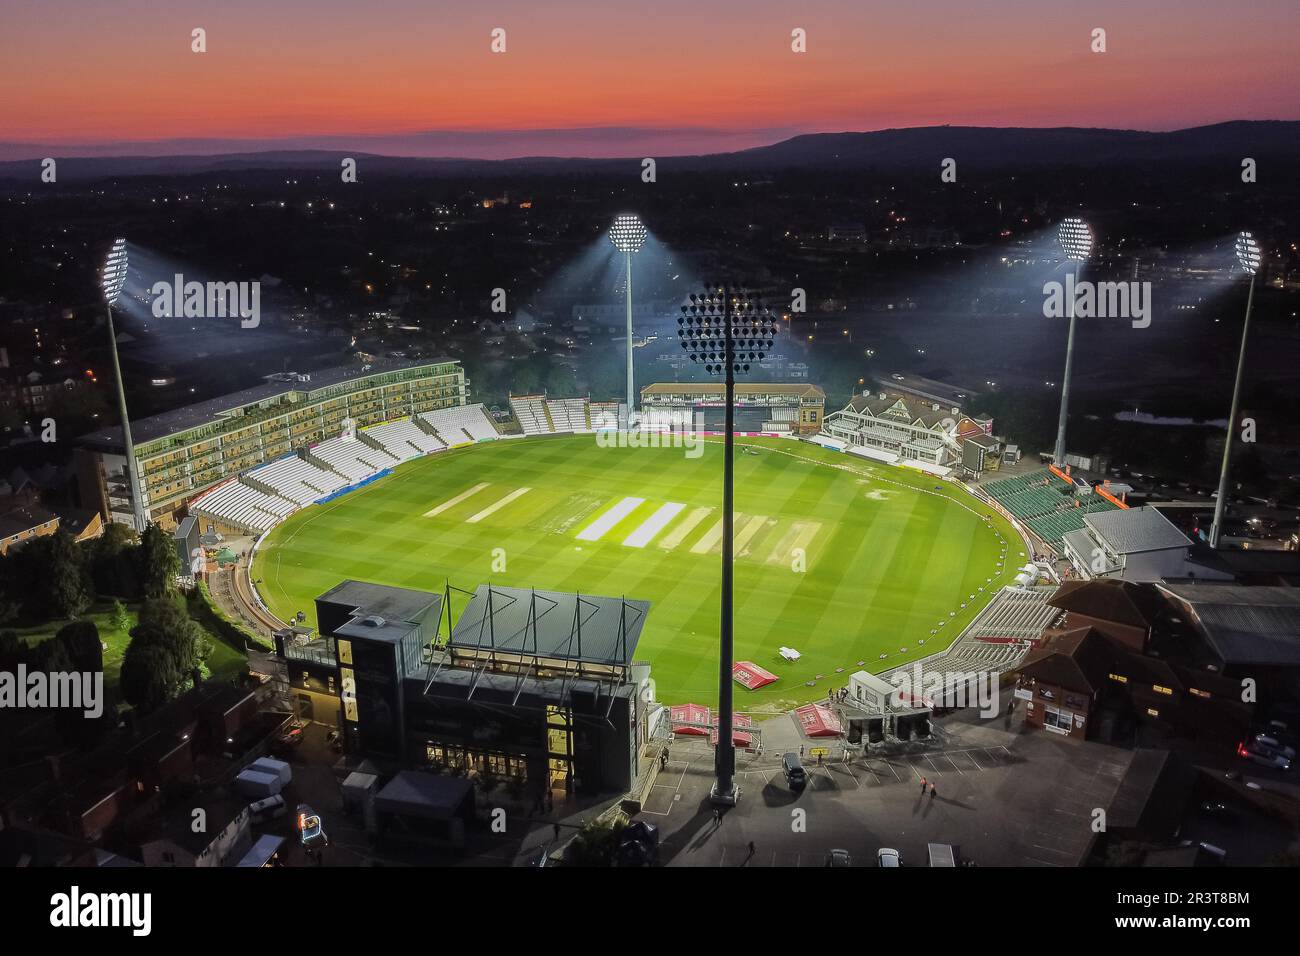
x=1076 y=242
x=1249 y=258
x=627 y=234
x=727 y=331
x=113 y=279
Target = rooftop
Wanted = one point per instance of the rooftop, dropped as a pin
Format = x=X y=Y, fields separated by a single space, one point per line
x=219 y=408
x=379 y=611
x=605 y=631
x=1133 y=530
x=1244 y=625
x=745 y=388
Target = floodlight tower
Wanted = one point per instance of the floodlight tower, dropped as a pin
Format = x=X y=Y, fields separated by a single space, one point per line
x=1076 y=241
x=114 y=278
x=726 y=329
x=1248 y=257
x=627 y=234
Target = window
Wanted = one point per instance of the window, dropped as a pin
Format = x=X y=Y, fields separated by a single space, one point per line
x=1060 y=719
x=1198 y=692
x=1118 y=677
x=1162 y=690
x=1152 y=712
x=345 y=651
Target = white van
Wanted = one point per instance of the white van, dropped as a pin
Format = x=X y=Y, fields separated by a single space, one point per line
x=268 y=808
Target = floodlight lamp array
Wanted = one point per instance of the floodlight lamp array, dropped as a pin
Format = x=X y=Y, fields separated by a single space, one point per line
x=1075 y=238
x=115 y=268
x=708 y=318
x=1248 y=253
x=627 y=233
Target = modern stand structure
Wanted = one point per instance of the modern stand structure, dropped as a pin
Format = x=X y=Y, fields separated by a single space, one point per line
x=1076 y=241
x=627 y=234
x=1248 y=256
x=726 y=330
x=114 y=278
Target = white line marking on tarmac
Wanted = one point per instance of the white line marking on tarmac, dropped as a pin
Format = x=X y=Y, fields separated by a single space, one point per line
x=597 y=529
x=492 y=509
x=654 y=524
x=452 y=502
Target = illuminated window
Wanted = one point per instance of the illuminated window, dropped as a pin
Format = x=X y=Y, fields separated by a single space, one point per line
x=1152 y=712
x=1118 y=677
x=1162 y=690
x=345 y=651
x=1198 y=692
x=349 y=694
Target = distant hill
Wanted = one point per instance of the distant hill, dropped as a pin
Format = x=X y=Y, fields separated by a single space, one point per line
x=979 y=146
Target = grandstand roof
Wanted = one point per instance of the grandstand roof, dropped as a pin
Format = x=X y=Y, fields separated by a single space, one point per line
x=610 y=627
x=1066 y=661
x=751 y=388
x=1244 y=625
x=916 y=410
x=1121 y=602
x=217 y=409
x=1133 y=530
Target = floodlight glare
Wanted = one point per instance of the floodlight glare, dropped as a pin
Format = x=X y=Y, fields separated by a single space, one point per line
x=627 y=233
x=1075 y=238
x=115 y=267
x=1248 y=254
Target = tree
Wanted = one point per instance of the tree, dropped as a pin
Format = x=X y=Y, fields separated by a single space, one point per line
x=148 y=679
x=158 y=562
x=113 y=563
x=119 y=618
x=54 y=577
x=165 y=625
x=81 y=641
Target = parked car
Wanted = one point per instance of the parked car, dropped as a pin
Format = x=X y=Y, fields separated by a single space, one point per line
x=1273 y=745
x=270 y=808
x=888 y=857
x=839 y=858
x=1265 y=758
x=795 y=775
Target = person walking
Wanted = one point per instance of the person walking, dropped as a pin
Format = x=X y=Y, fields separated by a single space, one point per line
x=751 y=847
x=923 y=784
x=931 y=791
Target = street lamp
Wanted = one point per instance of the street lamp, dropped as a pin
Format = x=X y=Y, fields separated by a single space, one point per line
x=1248 y=257
x=1076 y=242
x=114 y=278
x=727 y=330
x=627 y=234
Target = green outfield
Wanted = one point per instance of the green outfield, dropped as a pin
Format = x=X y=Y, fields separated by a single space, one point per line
x=837 y=557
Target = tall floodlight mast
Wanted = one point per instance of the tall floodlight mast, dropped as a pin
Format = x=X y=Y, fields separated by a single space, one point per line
x=627 y=234
x=114 y=278
x=1076 y=242
x=726 y=330
x=1248 y=257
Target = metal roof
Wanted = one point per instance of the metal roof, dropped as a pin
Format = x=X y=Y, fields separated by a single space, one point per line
x=1244 y=625
x=605 y=631
x=1129 y=531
